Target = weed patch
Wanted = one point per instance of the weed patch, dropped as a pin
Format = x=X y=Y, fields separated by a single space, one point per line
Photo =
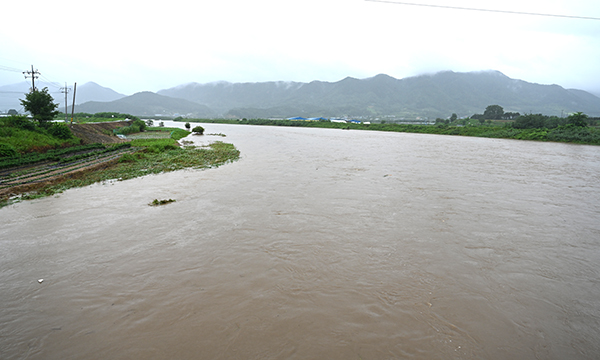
x=157 y=202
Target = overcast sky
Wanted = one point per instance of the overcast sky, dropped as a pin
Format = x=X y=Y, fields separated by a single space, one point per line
x=133 y=46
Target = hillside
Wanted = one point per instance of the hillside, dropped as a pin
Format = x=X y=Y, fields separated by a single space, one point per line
x=10 y=95
x=91 y=91
x=430 y=96
x=436 y=95
x=147 y=104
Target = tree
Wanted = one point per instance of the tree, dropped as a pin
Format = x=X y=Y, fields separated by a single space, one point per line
x=493 y=112
x=511 y=115
x=40 y=105
x=187 y=126
x=578 y=119
x=530 y=121
x=198 y=130
x=453 y=117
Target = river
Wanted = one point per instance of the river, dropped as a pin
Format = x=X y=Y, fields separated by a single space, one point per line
x=316 y=244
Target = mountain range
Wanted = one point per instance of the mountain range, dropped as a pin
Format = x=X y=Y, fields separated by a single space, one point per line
x=425 y=96
x=10 y=95
x=435 y=95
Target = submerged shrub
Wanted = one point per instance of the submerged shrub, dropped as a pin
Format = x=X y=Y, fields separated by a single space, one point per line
x=198 y=130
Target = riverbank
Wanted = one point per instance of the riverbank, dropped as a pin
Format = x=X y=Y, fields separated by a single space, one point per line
x=564 y=134
x=108 y=158
x=152 y=159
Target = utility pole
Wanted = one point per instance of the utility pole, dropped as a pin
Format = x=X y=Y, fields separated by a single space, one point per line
x=73 y=110
x=66 y=90
x=34 y=74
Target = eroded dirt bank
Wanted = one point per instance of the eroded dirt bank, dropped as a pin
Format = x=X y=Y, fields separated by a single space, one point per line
x=98 y=132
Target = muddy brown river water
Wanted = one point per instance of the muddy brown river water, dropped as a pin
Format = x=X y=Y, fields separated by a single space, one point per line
x=316 y=244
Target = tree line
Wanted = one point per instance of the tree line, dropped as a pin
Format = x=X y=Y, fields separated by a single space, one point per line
x=526 y=121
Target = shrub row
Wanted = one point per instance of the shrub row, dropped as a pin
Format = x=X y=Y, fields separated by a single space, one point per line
x=136 y=127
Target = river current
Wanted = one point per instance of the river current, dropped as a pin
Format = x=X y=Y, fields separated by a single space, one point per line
x=316 y=244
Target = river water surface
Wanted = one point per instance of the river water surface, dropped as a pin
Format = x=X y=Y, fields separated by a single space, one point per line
x=316 y=244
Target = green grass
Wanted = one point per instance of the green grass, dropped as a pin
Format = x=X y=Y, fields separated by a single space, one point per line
x=146 y=162
x=176 y=133
x=25 y=141
x=62 y=155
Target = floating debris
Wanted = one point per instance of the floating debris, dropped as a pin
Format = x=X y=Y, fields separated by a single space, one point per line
x=157 y=202
x=41 y=281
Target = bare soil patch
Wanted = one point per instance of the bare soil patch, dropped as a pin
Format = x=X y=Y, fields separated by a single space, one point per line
x=99 y=132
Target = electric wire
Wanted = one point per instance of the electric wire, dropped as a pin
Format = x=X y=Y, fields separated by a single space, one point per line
x=7 y=68
x=485 y=10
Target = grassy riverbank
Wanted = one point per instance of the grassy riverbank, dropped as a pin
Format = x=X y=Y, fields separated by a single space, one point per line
x=567 y=134
x=154 y=156
x=53 y=165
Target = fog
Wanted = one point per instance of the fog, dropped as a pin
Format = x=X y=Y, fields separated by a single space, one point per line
x=151 y=48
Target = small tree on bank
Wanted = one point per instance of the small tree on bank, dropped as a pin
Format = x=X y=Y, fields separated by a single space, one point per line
x=40 y=105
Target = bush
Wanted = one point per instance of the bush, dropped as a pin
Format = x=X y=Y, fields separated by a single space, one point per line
x=575 y=134
x=140 y=124
x=21 y=122
x=60 y=131
x=198 y=130
x=7 y=151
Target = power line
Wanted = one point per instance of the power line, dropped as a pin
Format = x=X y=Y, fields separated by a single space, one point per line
x=486 y=10
x=34 y=74
x=53 y=83
x=6 y=68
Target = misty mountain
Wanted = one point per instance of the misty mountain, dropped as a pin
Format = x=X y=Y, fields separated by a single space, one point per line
x=436 y=95
x=147 y=104
x=10 y=95
x=91 y=91
x=432 y=96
